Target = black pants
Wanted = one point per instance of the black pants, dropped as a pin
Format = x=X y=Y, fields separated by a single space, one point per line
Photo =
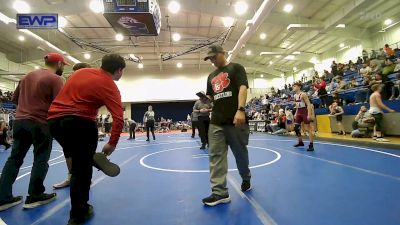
x=378 y=121
x=324 y=101
x=150 y=127
x=195 y=124
x=26 y=133
x=204 y=124
x=78 y=138
x=132 y=129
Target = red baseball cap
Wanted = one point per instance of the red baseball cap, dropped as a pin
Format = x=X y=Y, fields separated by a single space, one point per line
x=55 y=57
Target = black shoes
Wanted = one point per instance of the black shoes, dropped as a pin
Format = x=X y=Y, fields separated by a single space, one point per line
x=246 y=186
x=300 y=144
x=87 y=217
x=148 y=140
x=214 y=200
x=35 y=201
x=310 y=147
x=192 y=136
x=203 y=146
x=4 y=205
x=101 y=162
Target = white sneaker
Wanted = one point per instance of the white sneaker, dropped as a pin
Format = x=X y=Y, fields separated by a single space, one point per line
x=63 y=184
x=382 y=140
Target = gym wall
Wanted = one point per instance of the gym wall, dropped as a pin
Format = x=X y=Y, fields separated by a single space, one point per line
x=155 y=86
x=177 y=111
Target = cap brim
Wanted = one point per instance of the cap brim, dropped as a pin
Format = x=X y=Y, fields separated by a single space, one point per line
x=201 y=95
x=210 y=56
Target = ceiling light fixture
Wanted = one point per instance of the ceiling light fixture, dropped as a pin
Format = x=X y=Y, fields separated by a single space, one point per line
x=228 y=21
x=342 y=25
x=140 y=65
x=270 y=62
x=262 y=75
x=248 y=52
x=176 y=37
x=388 y=22
x=119 y=37
x=174 y=7
x=241 y=7
x=21 y=38
x=87 y=56
x=341 y=45
x=263 y=36
x=288 y=8
x=179 y=65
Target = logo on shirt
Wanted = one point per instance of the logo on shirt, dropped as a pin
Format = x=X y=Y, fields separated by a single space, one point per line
x=220 y=82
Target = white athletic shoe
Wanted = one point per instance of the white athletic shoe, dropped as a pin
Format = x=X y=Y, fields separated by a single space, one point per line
x=63 y=184
x=382 y=140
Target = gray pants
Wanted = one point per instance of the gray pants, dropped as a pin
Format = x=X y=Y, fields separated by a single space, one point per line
x=26 y=133
x=220 y=137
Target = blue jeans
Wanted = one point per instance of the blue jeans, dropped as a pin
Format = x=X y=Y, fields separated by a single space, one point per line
x=27 y=133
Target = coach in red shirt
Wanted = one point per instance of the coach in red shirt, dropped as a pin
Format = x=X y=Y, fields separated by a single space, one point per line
x=33 y=97
x=72 y=120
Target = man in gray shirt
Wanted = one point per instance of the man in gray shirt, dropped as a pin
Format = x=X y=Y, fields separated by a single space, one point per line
x=203 y=107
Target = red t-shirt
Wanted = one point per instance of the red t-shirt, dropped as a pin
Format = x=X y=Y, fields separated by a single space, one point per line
x=34 y=94
x=84 y=93
x=321 y=85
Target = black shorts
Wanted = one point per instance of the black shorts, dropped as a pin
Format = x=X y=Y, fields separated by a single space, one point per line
x=150 y=123
x=339 y=118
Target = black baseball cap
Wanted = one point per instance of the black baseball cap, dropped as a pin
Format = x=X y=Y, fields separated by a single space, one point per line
x=214 y=50
x=201 y=94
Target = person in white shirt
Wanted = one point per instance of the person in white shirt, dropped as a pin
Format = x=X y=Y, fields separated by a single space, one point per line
x=149 y=120
x=376 y=110
x=365 y=70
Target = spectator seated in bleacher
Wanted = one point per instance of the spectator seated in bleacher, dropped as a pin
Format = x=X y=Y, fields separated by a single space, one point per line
x=328 y=76
x=365 y=70
x=353 y=83
x=289 y=120
x=389 y=67
x=342 y=85
x=278 y=126
x=3 y=134
x=396 y=88
x=363 y=123
x=332 y=86
x=388 y=51
x=359 y=61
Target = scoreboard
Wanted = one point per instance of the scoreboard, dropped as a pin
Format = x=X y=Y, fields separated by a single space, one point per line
x=133 y=17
